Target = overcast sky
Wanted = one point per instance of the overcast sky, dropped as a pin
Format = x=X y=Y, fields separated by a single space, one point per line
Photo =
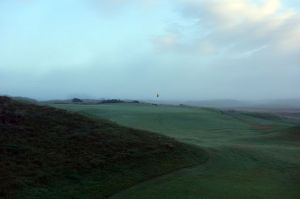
x=183 y=49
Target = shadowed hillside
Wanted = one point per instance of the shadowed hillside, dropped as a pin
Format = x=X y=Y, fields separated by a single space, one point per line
x=51 y=153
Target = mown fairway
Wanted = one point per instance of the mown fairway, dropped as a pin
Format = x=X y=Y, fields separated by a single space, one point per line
x=251 y=155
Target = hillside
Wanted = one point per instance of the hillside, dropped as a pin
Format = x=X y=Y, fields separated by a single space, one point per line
x=50 y=153
x=251 y=155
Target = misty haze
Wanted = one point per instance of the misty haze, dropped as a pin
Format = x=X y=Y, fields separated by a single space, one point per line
x=149 y=99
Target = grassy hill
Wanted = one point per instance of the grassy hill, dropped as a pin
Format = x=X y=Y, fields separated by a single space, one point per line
x=252 y=155
x=50 y=153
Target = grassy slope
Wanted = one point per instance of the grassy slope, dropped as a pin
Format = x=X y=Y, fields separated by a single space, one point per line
x=251 y=155
x=51 y=153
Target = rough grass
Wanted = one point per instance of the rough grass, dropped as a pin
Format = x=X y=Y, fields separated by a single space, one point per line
x=50 y=153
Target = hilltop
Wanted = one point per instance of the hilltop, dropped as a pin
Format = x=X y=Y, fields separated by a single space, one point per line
x=50 y=153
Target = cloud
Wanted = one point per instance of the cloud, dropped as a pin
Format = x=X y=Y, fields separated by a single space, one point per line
x=229 y=13
x=239 y=26
x=167 y=41
x=242 y=48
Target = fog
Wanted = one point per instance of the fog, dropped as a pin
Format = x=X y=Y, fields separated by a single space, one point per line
x=129 y=49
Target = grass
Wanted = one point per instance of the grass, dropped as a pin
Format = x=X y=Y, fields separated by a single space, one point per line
x=251 y=155
x=49 y=153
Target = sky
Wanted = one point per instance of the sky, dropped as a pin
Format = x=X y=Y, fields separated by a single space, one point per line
x=134 y=49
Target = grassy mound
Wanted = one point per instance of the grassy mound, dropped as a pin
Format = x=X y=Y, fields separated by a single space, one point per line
x=51 y=153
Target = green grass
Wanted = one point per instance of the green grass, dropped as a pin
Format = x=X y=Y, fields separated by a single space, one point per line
x=250 y=155
x=47 y=153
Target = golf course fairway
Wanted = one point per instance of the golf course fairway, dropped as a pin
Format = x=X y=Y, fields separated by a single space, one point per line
x=251 y=155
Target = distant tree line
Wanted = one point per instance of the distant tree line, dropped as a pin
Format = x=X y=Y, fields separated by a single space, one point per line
x=76 y=100
x=106 y=101
x=111 y=101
